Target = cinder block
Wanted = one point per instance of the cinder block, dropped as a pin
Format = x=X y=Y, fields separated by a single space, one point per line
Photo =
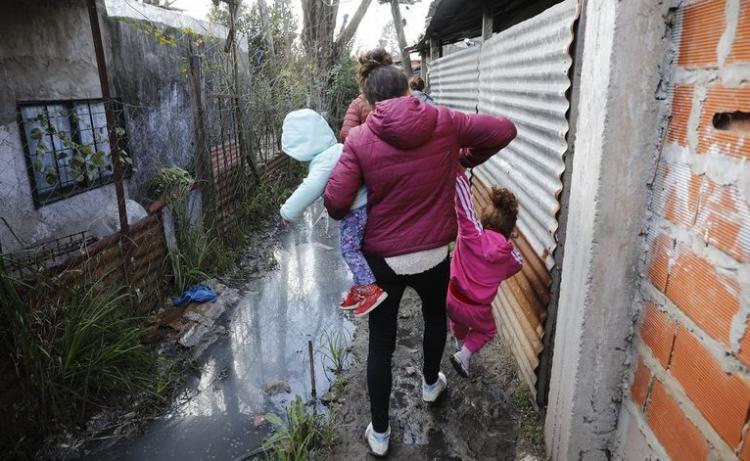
x=723 y=220
x=710 y=299
x=703 y=24
x=639 y=388
x=658 y=265
x=729 y=136
x=682 y=104
x=658 y=332
x=741 y=46
x=677 y=191
x=677 y=434
x=722 y=398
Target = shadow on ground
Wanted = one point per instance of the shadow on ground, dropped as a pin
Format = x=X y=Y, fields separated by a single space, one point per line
x=486 y=417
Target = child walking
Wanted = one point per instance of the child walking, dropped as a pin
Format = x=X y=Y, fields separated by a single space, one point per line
x=484 y=256
x=307 y=137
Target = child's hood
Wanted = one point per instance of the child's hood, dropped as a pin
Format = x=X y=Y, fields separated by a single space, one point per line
x=306 y=134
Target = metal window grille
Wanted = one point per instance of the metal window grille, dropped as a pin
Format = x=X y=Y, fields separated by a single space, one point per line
x=66 y=147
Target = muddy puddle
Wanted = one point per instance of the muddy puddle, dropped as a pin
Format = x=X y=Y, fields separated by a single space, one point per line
x=260 y=363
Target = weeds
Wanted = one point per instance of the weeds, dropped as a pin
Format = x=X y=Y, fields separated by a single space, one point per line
x=529 y=424
x=336 y=350
x=302 y=437
x=73 y=348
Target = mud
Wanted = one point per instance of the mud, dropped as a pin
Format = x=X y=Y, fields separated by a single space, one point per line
x=486 y=417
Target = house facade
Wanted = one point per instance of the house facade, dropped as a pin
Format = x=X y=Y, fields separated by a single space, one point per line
x=51 y=111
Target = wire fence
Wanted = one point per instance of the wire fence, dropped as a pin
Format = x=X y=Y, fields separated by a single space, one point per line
x=59 y=169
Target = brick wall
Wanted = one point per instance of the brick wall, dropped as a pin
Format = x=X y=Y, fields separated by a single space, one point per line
x=689 y=390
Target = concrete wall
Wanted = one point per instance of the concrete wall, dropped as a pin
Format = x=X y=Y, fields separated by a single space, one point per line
x=616 y=146
x=46 y=53
x=688 y=388
x=150 y=76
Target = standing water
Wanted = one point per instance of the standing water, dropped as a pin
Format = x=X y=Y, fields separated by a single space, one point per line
x=266 y=344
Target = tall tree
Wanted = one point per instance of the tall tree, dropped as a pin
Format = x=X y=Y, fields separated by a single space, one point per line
x=322 y=48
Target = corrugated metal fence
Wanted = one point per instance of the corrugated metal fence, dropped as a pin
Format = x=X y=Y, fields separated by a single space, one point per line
x=521 y=73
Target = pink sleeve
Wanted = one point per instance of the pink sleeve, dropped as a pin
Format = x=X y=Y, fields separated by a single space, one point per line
x=481 y=136
x=351 y=119
x=516 y=262
x=468 y=223
x=343 y=184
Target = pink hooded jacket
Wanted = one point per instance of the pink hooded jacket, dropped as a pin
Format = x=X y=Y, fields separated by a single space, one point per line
x=483 y=258
x=406 y=154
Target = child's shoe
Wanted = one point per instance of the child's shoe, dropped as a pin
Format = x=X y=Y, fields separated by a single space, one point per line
x=352 y=299
x=378 y=442
x=432 y=392
x=372 y=296
x=461 y=360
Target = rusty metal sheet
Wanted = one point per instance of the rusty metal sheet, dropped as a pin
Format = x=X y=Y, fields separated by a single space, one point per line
x=523 y=75
x=454 y=80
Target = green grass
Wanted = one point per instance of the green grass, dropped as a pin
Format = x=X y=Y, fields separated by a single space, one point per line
x=303 y=436
x=336 y=349
x=74 y=348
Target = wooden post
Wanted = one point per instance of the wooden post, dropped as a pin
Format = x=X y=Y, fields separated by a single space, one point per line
x=109 y=112
x=245 y=151
x=436 y=48
x=487 y=21
x=312 y=369
x=203 y=169
x=423 y=65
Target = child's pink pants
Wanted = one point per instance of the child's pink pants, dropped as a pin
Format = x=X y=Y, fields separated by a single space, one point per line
x=471 y=323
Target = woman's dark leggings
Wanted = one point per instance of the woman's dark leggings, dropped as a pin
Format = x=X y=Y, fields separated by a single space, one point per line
x=432 y=287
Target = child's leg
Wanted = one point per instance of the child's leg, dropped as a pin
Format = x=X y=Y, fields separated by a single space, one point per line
x=351 y=235
x=482 y=328
x=458 y=329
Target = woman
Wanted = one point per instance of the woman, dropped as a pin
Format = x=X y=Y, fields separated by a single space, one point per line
x=416 y=84
x=407 y=153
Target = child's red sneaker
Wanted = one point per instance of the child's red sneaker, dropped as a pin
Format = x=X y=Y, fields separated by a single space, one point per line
x=373 y=295
x=352 y=299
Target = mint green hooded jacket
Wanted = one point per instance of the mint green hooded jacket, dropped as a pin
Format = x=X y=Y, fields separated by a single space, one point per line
x=306 y=137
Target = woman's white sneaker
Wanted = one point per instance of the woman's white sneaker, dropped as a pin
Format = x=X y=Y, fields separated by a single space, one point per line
x=432 y=392
x=378 y=442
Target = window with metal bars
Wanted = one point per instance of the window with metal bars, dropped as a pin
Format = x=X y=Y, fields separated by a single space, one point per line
x=66 y=146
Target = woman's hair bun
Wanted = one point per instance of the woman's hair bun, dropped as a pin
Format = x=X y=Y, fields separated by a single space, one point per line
x=371 y=60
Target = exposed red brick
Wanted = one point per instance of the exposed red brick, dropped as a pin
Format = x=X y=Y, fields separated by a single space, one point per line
x=710 y=299
x=724 y=220
x=741 y=46
x=658 y=266
x=639 y=389
x=724 y=399
x=658 y=332
x=679 y=190
x=744 y=353
x=702 y=26
x=735 y=143
x=679 y=437
x=682 y=104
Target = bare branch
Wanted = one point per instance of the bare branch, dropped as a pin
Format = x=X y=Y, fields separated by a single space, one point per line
x=347 y=34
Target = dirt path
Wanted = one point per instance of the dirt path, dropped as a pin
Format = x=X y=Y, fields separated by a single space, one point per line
x=487 y=417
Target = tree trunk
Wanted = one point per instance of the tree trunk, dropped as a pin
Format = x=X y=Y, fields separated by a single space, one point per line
x=318 y=28
x=399 y=25
x=265 y=19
